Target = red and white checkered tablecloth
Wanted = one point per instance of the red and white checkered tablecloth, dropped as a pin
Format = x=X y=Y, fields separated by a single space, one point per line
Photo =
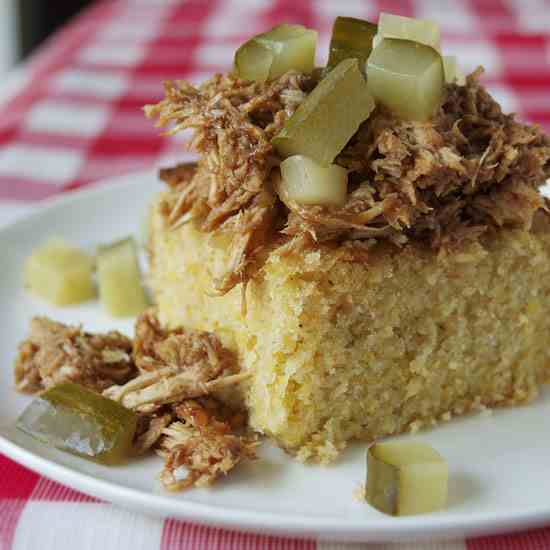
x=78 y=119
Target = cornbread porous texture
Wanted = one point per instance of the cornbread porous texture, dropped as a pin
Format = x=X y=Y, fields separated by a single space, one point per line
x=343 y=350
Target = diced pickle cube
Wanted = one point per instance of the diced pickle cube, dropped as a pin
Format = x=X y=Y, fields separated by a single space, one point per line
x=452 y=71
x=329 y=116
x=74 y=419
x=351 y=37
x=405 y=478
x=253 y=61
x=120 y=289
x=60 y=273
x=406 y=77
x=307 y=182
x=421 y=31
x=271 y=54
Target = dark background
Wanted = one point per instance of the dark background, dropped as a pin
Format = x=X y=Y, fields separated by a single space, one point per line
x=37 y=19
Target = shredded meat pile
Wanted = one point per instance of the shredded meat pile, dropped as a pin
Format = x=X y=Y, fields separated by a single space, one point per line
x=234 y=122
x=168 y=377
x=174 y=365
x=204 y=439
x=156 y=347
x=468 y=170
x=55 y=353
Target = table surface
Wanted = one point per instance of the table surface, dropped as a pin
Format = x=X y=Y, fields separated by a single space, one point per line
x=71 y=116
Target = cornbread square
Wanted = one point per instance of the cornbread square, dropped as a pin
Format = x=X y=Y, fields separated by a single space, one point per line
x=341 y=350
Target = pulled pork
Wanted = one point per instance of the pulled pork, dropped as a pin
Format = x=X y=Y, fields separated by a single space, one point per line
x=471 y=168
x=234 y=121
x=156 y=347
x=172 y=389
x=150 y=428
x=150 y=391
x=180 y=370
x=174 y=365
x=206 y=441
x=54 y=353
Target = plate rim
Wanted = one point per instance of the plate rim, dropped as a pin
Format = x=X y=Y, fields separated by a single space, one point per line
x=381 y=529
x=389 y=529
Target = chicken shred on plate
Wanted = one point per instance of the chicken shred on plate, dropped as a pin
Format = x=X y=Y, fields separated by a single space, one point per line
x=54 y=353
x=168 y=377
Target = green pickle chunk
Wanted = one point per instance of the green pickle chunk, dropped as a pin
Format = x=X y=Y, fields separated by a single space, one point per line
x=329 y=116
x=271 y=54
x=351 y=37
x=407 y=78
x=306 y=182
x=119 y=279
x=453 y=74
x=422 y=31
x=406 y=478
x=77 y=420
x=253 y=61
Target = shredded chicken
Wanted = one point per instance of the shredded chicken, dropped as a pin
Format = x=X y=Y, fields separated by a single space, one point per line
x=234 y=122
x=150 y=428
x=54 y=353
x=177 y=367
x=152 y=390
x=471 y=168
x=173 y=392
x=156 y=348
x=174 y=365
x=203 y=441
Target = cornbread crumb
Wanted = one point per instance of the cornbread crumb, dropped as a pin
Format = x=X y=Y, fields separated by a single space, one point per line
x=321 y=449
x=342 y=350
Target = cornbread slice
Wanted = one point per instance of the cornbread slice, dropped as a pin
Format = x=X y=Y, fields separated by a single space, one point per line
x=343 y=350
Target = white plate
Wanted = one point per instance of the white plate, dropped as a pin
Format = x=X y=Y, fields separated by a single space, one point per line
x=499 y=464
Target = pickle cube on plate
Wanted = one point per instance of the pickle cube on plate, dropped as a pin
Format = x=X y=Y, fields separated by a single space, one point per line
x=120 y=289
x=75 y=419
x=60 y=273
x=406 y=478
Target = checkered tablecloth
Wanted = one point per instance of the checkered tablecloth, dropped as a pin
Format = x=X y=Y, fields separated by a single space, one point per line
x=78 y=119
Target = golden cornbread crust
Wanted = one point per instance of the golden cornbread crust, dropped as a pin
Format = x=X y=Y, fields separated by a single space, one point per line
x=342 y=350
